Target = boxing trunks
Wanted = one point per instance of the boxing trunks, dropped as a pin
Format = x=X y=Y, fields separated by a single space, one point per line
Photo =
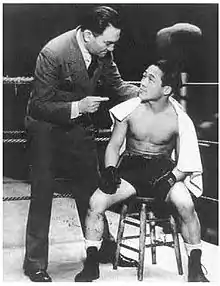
x=141 y=170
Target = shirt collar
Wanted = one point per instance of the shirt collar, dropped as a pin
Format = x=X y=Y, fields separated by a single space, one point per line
x=85 y=53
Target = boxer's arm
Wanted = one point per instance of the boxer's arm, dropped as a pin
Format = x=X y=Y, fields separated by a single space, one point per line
x=116 y=141
x=179 y=175
x=110 y=180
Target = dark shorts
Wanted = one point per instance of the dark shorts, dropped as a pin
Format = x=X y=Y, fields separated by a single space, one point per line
x=140 y=172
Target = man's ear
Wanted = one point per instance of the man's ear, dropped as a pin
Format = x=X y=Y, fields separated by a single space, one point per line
x=167 y=89
x=87 y=35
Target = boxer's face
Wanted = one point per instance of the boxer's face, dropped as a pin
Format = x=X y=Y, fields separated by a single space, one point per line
x=99 y=45
x=151 y=84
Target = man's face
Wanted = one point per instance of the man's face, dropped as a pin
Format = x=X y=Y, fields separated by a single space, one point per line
x=105 y=42
x=151 y=84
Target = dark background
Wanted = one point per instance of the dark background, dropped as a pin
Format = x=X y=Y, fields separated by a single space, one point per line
x=28 y=27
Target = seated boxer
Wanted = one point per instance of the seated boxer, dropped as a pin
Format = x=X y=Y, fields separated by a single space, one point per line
x=145 y=168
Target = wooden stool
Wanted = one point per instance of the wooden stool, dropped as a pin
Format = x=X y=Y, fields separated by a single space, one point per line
x=141 y=219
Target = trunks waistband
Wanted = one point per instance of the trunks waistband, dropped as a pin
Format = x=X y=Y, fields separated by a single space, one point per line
x=149 y=156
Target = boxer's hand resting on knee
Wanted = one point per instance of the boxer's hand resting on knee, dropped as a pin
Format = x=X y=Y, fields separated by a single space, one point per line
x=110 y=180
x=163 y=184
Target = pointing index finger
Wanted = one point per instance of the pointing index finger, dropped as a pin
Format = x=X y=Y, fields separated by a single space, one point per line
x=104 y=98
x=99 y=98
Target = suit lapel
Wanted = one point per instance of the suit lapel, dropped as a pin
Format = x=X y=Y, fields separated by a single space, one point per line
x=76 y=61
x=77 y=65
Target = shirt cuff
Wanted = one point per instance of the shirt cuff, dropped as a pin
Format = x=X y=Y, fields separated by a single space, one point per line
x=75 y=110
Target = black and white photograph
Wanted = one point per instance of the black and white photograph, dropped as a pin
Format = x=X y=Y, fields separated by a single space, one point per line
x=96 y=97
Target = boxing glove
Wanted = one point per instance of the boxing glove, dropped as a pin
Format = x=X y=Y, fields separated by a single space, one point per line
x=163 y=184
x=110 y=180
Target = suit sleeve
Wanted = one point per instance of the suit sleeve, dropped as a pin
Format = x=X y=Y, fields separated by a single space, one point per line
x=112 y=78
x=47 y=101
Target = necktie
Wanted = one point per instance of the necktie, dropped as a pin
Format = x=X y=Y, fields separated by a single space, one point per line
x=93 y=65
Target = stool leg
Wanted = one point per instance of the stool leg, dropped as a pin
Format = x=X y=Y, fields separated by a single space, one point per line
x=121 y=227
x=152 y=237
x=176 y=245
x=142 y=241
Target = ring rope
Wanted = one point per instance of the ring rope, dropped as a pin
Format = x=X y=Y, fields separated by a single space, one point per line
x=199 y=83
x=68 y=195
x=22 y=132
x=183 y=84
x=205 y=143
x=14 y=132
x=22 y=198
x=17 y=80
x=101 y=131
x=28 y=80
x=13 y=141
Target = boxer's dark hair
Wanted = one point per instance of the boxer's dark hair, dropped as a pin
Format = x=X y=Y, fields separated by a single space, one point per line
x=171 y=74
x=99 y=18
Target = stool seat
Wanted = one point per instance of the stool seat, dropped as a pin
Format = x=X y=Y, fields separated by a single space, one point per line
x=144 y=216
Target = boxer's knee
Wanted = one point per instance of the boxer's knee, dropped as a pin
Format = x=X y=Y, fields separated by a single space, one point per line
x=98 y=202
x=180 y=197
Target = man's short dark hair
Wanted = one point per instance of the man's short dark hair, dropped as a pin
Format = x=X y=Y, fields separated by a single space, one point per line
x=171 y=74
x=99 y=18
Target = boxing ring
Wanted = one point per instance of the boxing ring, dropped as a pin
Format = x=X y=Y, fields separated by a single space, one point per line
x=65 y=226
x=103 y=135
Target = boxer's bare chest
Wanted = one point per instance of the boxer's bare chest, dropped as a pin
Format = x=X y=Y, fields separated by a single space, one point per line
x=156 y=128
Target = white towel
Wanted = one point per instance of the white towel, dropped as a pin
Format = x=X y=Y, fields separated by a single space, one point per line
x=189 y=154
x=189 y=159
x=122 y=110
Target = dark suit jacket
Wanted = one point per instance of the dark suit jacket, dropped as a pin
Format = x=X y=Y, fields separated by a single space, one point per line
x=61 y=77
x=57 y=142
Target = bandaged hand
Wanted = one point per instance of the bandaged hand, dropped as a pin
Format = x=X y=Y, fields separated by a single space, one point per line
x=163 y=184
x=110 y=180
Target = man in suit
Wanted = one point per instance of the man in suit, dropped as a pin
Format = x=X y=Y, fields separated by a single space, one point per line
x=60 y=127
